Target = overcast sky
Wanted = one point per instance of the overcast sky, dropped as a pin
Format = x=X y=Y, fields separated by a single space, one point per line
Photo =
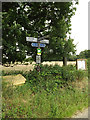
x=80 y=26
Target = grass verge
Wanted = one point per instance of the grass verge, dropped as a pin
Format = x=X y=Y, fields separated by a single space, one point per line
x=21 y=102
x=55 y=92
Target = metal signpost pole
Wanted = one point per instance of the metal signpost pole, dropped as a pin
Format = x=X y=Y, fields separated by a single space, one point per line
x=39 y=57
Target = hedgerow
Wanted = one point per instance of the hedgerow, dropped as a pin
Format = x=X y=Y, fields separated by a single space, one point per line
x=50 y=78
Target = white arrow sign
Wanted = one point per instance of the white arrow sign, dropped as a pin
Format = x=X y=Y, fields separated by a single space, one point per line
x=44 y=41
x=31 y=39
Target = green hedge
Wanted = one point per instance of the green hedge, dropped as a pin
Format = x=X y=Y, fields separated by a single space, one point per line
x=88 y=67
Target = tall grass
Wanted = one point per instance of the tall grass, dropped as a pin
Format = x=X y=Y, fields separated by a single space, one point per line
x=23 y=103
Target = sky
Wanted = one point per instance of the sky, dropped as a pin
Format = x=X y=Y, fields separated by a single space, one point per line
x=80 y=26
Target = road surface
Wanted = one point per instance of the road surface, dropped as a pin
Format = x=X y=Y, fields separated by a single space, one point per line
x=83 y=114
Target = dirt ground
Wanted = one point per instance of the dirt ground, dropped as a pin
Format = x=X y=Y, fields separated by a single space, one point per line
x=82 y=114
x=14 y=79
x=19 y=68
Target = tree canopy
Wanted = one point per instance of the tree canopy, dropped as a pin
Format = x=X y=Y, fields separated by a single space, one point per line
x=84 y=54
x=21 y=20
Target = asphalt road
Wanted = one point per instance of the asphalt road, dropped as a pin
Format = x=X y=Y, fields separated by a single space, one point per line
x=83 y=114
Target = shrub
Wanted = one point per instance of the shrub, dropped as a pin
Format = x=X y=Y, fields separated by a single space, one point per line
x=88 y=67
x=50 y=78
x=68 y=73
x=80 y=74
x=28 y=60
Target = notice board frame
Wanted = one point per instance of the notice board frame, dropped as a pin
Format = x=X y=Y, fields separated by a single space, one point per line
x=81 y=60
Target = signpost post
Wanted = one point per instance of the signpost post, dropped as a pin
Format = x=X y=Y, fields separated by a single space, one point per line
x=38 y=43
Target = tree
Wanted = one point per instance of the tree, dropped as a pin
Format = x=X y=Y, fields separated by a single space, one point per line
x=36 y=20
x=84 y=54
x=12 y=34
x=61 y=46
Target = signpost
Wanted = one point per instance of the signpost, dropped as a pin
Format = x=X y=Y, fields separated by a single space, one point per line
x=38 y=43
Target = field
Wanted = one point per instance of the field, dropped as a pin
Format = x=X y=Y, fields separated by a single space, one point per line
x=31 y=66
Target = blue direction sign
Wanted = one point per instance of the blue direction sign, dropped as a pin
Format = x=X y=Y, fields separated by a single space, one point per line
x=36 y=45
x=42 y=45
